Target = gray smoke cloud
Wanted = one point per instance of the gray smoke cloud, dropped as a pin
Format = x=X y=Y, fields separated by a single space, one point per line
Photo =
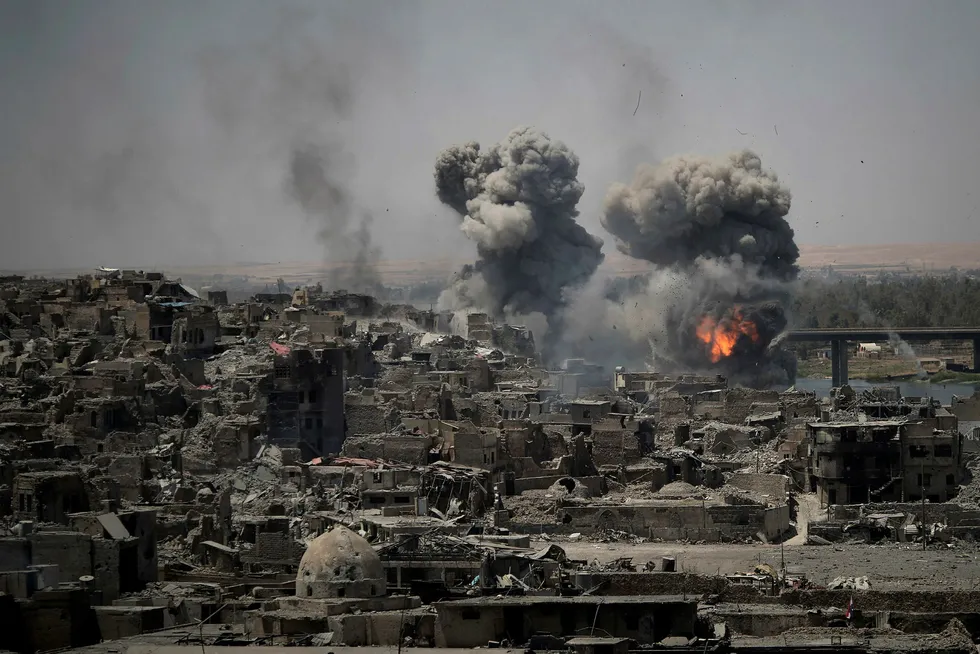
x=517 y=200
x=315 y=180
x=304 y=90
x=715 y=229
x=715 y=207
x=167 y=129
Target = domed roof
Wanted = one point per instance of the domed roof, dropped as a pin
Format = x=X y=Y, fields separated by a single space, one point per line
x=336 y=559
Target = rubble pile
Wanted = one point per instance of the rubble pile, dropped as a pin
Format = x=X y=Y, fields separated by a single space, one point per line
x=160 y=450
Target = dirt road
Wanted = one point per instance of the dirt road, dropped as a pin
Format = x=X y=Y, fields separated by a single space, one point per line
x=889 y=567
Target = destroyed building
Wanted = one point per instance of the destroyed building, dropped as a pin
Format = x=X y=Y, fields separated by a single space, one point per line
x=319 y=467
x=306 y=400
x=897 y=459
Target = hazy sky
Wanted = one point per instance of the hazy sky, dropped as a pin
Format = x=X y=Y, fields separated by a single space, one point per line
x=155 y=133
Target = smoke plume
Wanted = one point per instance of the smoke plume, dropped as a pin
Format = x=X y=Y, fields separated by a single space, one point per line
x=302 y=91
x=169 y=132
x=691 y=207
x=315 y=182
x=517 y=200
x=725 y=257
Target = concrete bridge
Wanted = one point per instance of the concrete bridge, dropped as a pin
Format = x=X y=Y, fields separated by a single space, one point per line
x=840 y=337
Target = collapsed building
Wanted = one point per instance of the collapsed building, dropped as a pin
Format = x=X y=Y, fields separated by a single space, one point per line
x=317 y=468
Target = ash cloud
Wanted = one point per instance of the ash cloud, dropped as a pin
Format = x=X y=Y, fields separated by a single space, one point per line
x=517 y=201
x=725 y=260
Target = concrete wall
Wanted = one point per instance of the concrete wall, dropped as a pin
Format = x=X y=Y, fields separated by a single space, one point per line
x=71 y=552
x=952 y=514
x=683 y=521
x=474 y=625
x=774 y=486
x=15 y=554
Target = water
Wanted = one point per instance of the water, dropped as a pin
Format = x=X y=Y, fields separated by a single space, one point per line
x=942 y=392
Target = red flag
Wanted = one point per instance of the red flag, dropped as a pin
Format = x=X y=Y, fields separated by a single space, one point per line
x=850 y=609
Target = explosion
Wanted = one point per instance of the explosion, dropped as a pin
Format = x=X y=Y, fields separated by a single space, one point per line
x=722 y=336
x=724 y=259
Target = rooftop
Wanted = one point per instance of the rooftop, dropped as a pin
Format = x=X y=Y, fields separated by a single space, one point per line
x=590 y=600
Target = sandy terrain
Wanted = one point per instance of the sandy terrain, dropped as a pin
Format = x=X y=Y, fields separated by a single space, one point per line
x=916 y=257
x=892 y=566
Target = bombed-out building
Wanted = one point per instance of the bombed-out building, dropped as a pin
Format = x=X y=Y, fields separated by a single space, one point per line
x=326 y=469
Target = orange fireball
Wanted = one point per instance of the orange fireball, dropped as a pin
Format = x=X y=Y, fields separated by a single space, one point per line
x=721 y=336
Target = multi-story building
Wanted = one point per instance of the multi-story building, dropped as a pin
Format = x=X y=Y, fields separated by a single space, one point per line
x=885 y=460
x=306 y=400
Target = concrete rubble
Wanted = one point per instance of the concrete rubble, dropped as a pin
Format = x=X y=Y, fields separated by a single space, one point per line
x=323 y=469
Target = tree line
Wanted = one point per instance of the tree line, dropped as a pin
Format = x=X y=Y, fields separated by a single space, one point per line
x=888 y=301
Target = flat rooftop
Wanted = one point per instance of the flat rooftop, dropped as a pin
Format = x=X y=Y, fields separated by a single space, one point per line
x=589 y=600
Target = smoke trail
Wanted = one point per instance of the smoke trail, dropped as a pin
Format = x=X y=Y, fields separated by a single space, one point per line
x=899 y=346
x=315 y=182
x=725 y=257
x=172 y=143
x=292 y=95
x=517 y=200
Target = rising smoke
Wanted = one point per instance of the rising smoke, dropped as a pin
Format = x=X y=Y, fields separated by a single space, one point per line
x=517 y=200
x=725 y=259
x=168 y=132
x=304 y=90
x=315 y=182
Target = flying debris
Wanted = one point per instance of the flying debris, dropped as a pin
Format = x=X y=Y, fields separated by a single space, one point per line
x=722 y=336
x=725 y=257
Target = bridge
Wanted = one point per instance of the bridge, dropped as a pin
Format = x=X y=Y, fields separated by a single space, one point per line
x=840 y=337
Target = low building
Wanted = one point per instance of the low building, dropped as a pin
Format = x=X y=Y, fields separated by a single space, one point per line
x=478 y=621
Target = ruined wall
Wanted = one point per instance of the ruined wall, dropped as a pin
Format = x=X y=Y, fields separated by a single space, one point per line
x=595 y=485
x=739 y=402
x=15 y=554
x=619 y=447
x=474 y=448
x=920 y=601
x=105 y=568
x=365 y=419
x=966 y=408
x=390 y=447
x=687 y=521
x=71 y=552
x=652 y=583
x=94 y=318
x=776 y=487
x=474 y=625
x=951 y=514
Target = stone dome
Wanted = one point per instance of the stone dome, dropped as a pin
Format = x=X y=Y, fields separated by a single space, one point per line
x=340 y=563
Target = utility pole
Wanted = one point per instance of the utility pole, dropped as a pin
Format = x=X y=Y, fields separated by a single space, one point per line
x=922 y=489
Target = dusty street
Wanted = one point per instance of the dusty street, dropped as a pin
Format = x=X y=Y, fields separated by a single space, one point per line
x=889 y=567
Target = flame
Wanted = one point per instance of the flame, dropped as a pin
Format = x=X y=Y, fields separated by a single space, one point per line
x=721 y=336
